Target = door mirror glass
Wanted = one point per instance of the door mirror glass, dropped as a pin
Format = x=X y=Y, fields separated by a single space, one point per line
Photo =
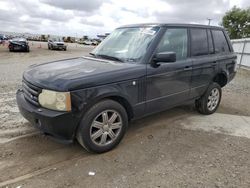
x=165 y=57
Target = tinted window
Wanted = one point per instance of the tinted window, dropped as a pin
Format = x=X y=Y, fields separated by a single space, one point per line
x=199 y=44
x=174 y=40
x=210 y=42
x=220 y=42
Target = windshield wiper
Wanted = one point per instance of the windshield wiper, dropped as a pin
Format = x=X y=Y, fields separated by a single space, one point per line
x=108 y=57
x=92 y=54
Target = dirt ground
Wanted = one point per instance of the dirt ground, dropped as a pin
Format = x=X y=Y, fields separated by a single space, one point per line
x=163 y=150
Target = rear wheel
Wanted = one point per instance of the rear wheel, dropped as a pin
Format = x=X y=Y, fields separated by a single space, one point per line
x=103 y=126
x=210 y=101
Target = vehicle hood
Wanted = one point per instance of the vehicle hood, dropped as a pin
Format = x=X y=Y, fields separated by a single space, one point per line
x=58 y=42
x=18 y=42
x=80 y=73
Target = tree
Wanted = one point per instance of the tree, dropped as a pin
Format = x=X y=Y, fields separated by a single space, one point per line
x=237 y=22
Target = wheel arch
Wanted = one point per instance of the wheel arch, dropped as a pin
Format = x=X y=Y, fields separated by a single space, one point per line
x=122 y=100
x=221 y=79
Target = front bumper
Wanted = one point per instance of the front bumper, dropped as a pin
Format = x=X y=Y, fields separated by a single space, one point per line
x=58 y=47
x=61 y=125
x=18 y=47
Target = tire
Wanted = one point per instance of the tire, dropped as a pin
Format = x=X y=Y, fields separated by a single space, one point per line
x=49 y=47
x=28 y=49
x=210 y=101
x=96 y=137
x=11 y=48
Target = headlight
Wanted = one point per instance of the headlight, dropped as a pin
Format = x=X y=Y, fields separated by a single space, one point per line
x=55 y=100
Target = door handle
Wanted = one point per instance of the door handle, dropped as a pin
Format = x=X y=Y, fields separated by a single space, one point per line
x=187 y=68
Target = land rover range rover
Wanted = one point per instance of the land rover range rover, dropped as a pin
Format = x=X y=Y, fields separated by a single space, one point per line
x=136 y=71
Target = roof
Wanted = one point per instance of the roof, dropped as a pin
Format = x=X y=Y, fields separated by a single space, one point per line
x=172 y=25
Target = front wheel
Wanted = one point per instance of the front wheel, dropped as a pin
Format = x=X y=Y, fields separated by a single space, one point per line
x=210 y=101
x=103 y=126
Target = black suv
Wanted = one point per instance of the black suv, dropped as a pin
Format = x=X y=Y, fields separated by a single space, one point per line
x=19 y=44
x=136 y=71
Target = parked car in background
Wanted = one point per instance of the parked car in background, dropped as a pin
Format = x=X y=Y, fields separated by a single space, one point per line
x=19 y=44
x=56 y=43
x=2 y=38
x=137 y=71
x=87 y=42
x=94 y=43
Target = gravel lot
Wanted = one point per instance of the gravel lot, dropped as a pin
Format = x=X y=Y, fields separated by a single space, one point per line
x=12 y=66
x=163 y=150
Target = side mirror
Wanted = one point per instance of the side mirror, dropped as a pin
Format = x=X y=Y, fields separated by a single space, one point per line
x=165 y=57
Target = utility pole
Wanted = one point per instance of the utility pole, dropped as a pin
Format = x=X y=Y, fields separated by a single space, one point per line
x=209 y=20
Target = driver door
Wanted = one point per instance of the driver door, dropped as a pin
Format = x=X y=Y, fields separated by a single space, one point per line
x=169 y=84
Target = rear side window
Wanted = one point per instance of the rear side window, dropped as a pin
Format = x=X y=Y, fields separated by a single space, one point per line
x=220 y=42
x=199 y=43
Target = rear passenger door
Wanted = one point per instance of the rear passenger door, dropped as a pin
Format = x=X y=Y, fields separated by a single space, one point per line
x=204 y=60
x=226 y=60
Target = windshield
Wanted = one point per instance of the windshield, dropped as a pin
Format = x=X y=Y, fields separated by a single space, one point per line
x=57 y=39
x=18 y=39
x=126 y=44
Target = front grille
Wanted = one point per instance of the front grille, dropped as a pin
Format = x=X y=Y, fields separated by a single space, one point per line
x=60 y=44
x=31 y=93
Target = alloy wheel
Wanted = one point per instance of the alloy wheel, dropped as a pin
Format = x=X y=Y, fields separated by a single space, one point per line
x=213 y=99
x=106 y=127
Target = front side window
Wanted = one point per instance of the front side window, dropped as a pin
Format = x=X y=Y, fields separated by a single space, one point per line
x=199 y=43
x=220 y=42
x=127 y=44
x=174 y=40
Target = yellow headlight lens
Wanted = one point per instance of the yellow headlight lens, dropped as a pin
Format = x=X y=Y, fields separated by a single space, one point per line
x=60 y=101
